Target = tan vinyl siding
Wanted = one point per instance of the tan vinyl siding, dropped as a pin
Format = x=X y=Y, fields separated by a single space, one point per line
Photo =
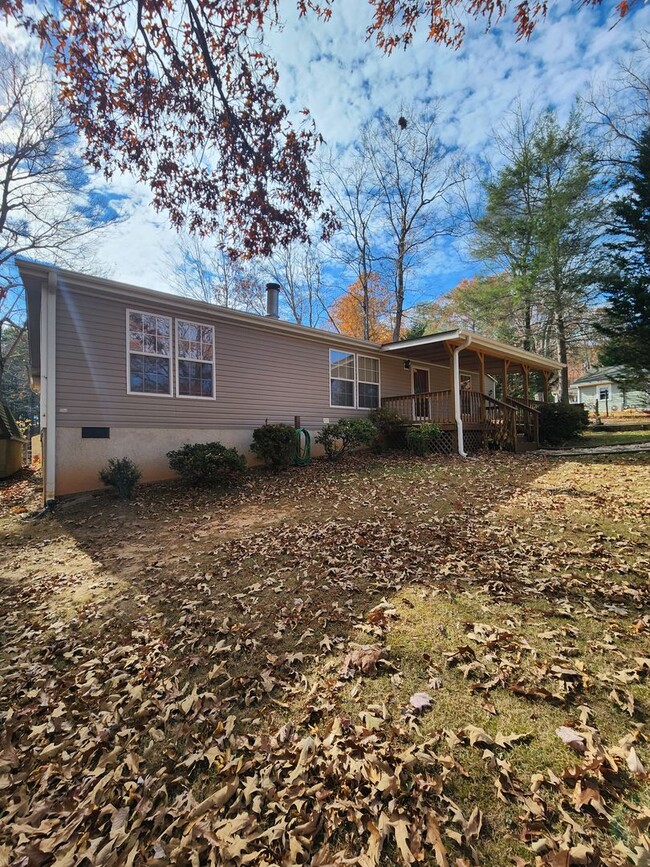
x=260 y=373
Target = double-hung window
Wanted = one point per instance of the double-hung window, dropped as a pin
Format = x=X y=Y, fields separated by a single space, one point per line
x=603 y=394
x=367 y=382
x=194 y=359
x=150 y=350
x=341 y=378
x=354 y=380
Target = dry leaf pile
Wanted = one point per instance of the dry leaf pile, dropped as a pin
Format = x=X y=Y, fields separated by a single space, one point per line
x=174 y=692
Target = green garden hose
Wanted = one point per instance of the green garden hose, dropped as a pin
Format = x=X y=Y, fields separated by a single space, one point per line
x=303 y=447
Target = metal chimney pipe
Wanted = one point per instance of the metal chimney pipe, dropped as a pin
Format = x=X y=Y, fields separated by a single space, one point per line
x=273 y=300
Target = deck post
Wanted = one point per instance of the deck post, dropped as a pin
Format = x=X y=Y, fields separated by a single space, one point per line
x=455 y=378
x=525 y=369
x=481 y=365
x=506 y=367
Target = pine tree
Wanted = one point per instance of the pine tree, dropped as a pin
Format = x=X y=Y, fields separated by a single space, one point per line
x=626 y=324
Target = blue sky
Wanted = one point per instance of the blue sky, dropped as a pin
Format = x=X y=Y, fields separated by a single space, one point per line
x=344 y=81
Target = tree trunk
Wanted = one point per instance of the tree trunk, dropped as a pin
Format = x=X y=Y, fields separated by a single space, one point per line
x=365 y=304
x=562 y=352
x=528 y=332
x=399 y=290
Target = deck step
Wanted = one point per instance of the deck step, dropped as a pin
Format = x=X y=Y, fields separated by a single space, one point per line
x=524 y=445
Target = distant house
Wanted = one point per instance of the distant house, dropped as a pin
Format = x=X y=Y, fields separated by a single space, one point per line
x=606 y=387
x=127 y=371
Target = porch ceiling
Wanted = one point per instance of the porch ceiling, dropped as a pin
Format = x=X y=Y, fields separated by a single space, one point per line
x=437 y=349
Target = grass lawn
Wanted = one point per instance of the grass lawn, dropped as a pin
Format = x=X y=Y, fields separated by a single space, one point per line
x=593 y=438
x=361 y=664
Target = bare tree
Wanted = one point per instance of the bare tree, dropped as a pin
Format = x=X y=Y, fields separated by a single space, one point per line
x=298 y=268
x=621 y=106
x=395 y=197
x=201 y=268
x=46 y=205
x=417 y=179
x=349 y=185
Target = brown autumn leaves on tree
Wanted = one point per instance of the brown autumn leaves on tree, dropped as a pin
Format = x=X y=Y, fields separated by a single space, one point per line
x=183 y=94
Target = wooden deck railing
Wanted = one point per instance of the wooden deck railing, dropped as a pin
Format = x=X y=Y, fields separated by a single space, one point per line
x=503 y=421
x=434 y=406
x=527 y=419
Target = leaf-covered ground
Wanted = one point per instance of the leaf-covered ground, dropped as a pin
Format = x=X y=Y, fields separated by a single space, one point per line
x=390 y=661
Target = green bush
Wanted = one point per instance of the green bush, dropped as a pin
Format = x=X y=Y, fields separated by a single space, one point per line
x=559 y=422
x=207 y=464
x=275 y=444
x=122 y=475
x=346 y=434
x=421 y=438
x=391 y=429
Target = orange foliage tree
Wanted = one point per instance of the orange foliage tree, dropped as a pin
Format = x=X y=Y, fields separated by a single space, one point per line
x=347 y=311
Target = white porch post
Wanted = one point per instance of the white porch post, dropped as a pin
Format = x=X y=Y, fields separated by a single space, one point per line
x=455 y=380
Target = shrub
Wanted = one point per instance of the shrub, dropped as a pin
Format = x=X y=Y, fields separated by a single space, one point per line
x=275 y=444
x=122 y=475
x=345 y=434
x=391 y=429
x=207 y=464
x=561 y=421
x=421 y=439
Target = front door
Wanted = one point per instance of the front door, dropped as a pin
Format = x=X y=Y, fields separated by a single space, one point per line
x=421 y=386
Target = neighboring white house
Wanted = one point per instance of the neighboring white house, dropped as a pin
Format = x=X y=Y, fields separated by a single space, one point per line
x=605 y=387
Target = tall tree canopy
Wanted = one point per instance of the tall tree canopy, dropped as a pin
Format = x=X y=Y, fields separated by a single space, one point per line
x=183 y=94
x=544 y=222
x=487 y=305
x=626 y=321
x=397 y=197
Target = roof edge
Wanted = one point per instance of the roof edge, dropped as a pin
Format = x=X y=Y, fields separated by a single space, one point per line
x=479 y=342
x=114 y=288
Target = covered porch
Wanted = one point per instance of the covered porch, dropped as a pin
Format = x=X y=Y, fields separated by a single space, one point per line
x=481 y=392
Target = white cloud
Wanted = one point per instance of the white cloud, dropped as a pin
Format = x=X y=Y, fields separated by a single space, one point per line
x=344 y=79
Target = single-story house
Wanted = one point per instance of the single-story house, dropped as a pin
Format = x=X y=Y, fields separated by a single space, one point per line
x=606 y=388
x=126 y=371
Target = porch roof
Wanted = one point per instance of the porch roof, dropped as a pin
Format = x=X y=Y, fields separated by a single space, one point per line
x=436 y=348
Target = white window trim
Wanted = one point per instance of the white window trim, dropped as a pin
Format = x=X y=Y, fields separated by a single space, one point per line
x=355 y=381
x=170 y=357
x=365 y=382
x=178 y=359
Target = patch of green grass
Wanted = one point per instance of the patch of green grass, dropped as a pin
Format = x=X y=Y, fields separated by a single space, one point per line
x=593 y=438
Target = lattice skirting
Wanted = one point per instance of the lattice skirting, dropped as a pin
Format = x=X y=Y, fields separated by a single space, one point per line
x=445 y=444
x=473 y=440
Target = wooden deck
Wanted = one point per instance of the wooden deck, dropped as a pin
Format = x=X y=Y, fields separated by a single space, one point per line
x=511 y=424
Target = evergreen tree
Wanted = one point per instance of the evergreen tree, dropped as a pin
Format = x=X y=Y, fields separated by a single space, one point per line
x=626 y=322
x=543 y=225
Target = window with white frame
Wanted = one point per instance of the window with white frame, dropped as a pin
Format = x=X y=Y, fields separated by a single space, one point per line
x=465 y=382
x=342 y=378
x=194 y=359
x=149 y=355
x=603 y=394
x=367 y=382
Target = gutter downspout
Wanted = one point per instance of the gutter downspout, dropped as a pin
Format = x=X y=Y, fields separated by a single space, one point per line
x=457 y=408
x=48 y=384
